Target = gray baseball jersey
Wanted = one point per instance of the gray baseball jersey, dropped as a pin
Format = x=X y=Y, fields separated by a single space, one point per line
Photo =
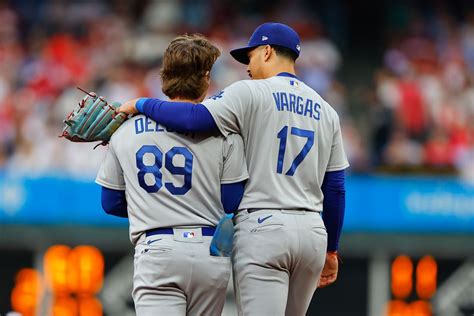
x=291 y=136
x=171 y=179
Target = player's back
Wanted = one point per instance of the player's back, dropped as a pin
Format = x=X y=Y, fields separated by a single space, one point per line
x=291 y=139
x=171 y=179
x=297 y=143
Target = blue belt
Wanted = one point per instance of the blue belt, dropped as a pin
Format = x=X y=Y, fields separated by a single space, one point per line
x=251 y=210
x=206 y=231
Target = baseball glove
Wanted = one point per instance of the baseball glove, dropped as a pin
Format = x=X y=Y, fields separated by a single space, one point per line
x=94 y=119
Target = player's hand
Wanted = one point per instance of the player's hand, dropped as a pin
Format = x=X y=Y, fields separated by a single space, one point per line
x=330 y=269
x=128 y=107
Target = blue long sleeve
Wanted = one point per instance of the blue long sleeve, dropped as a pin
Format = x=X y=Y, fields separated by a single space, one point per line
x=180 y=116
x=231 y=195
x=114 y=202
x=334 y=205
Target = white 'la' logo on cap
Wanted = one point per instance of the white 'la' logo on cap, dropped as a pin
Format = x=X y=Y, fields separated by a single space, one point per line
x=264 y=38
x=298 y=48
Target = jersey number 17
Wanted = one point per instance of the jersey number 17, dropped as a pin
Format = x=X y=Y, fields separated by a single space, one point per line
x=283 y=136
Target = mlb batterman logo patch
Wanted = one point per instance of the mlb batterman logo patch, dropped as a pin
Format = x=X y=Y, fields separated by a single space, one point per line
x=188 y=234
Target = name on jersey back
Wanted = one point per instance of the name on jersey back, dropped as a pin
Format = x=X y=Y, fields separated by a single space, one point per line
x=290 y=102
x=146 y=125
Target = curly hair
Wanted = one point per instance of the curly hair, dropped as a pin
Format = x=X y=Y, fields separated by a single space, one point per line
x=186 y=63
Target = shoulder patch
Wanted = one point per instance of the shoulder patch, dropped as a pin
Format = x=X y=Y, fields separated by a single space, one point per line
x=217 y=95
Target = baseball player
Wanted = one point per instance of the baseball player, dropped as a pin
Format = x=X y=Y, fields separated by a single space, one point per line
x=169 y=184
x=282 y=248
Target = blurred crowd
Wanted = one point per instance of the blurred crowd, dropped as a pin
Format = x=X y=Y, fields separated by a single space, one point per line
x=114 y=49
x=421 y=113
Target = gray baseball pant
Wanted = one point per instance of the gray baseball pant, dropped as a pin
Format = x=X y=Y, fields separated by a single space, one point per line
x=176 y=275
x=278 y=257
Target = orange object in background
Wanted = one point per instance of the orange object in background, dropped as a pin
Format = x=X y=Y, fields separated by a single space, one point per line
x=64 y=306
x=401 y=308
x=89 y=306
x=402 y=277
x=26 y=294
x=80 y=270
x=85 y=270
x=398 y=308
x=402 y=283
x=420 y=308
x=56 y=269
x=426 y=275
x=70 y=306
x=74 y=277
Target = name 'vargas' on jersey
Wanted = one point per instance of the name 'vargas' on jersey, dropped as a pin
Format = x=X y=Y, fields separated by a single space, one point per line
x=296 y=104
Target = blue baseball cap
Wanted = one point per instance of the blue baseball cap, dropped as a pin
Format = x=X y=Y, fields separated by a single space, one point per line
x=269 y=34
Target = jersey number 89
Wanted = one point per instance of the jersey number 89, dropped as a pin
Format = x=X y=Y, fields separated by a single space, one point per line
x=185 y=171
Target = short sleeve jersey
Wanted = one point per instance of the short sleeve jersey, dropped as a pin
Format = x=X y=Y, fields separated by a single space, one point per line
x=170 y=179
x=292 y=137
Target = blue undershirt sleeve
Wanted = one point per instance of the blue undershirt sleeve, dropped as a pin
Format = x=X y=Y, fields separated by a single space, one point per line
x=180 y=116
x=139 y=104
x=334 y=206
x=114 y=202
x=231 y=195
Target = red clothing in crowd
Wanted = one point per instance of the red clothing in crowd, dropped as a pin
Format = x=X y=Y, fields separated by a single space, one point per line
x=411 y=107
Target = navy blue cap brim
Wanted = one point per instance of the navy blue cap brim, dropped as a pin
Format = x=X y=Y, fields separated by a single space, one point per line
x=241 y=54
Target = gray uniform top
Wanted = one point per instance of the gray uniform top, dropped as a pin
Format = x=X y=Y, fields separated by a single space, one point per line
x=291 y=136
x=170 y=179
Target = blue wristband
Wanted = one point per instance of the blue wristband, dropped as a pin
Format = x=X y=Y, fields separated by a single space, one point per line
x=140 y=103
